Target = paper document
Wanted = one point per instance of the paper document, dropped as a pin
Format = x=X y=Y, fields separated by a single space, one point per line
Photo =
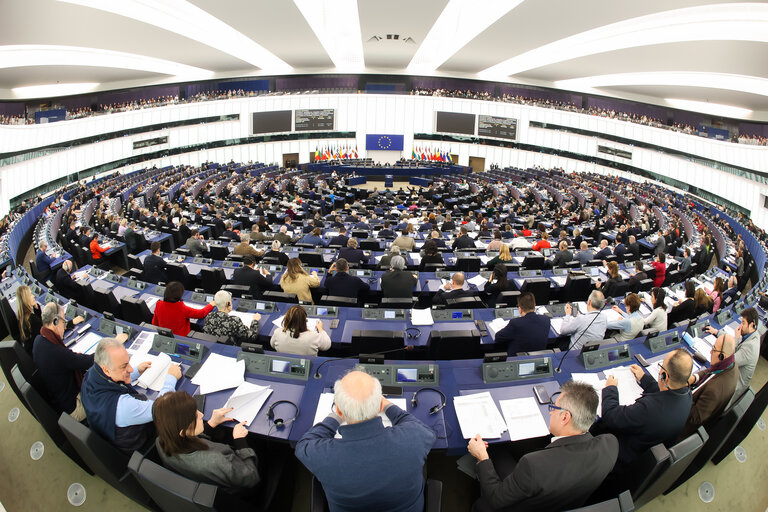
x=478 y=414
x=415 y=258
x=154 y=376
x=655 y=369
x=496 y=325
x=219 y=373
x=87 y=344
x=151 y=302
x=421 y=317
x=325 y=405
x=559 y=280
x=311 y=322
x=247 y=318
x=629 y=389
x=612 y=316
x=142 y=343
x=587 y=378
x=523 y=418
x=729 y=330
x=702 y=347
x=582 y=307
x=484 y=259
x=556 y=324
x=478 y=280
x=247 y=400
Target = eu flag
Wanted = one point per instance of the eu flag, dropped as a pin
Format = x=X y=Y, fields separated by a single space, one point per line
x=383 y=142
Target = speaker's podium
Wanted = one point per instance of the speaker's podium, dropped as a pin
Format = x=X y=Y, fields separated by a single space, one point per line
x=389 y=181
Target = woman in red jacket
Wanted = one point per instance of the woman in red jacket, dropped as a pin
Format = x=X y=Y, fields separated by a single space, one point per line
x=661 y=269
x=96 y=249
x=173 y=314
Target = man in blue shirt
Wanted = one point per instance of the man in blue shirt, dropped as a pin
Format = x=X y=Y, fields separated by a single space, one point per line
x=371 y=467
x=43 y=261
x=116 y=410
x=527 y=333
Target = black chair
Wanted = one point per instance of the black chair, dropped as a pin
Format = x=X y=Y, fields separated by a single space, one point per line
x=10 y=319
x=575 y=289
x=433 y=499
x=370 y=244
x=218 y=252
x=108 y=301
x=208 y=337
x=312 y=259
x=454 y=344
x=281 y=297
x=539 y=287
x=237 y=290
x=507 y=298
x=212 y=279
x=622 y=503
x=372 y=341
x=398 y=302
x=464 y=302
x=178 y=272
x=335 y=300
x=135 y=310
x=471 y=264
x=34 y=271
x=106 y=461
x=645 y=285
x=135 y=262
x=534 y=262
x=434 y=267
x=620 y=289
x=718 y=434
x=745 y=425
x=12 y=354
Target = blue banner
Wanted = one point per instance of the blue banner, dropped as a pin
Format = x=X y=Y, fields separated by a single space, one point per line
x=383 y=142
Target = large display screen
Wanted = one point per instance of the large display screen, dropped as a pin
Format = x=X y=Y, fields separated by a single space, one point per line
x=499 y=127
x=271 y=122
x=452 y=122
x=314 y=119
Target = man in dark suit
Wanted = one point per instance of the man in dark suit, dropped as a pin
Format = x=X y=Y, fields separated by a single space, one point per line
x=133 y=239
x=656 y=417
x=65 y=284
x=527 y=333
x=562 y=256
x=228 y=233
x=448 y=225
x=340 y=239
x=72 y=236
x=155 y=267
x=85 y=238
x=620 y=250
x=219 y=223
x=561 y=476
x=640 y=275
x=43 y=261
x=463 y=241
x=258 y=280
x=454 y=289
x=386 y=231
x=633 y=249
x=398 y=282
x=352 y=254
x=341 y=284
x=604 y=252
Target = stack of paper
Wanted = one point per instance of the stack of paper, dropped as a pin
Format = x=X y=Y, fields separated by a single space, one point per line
x=87 y=344
x=484 y=259
x=523 y=418
x=218 y=373
x=593 y=380
x=629 y=389
x=247 y=318
x=478 y=281
x=154 y=376
x=478 y=414
x=612 y=316
x=496 y=325
x=559 y=280
x=151 y=302
x=556 y=324
x=415 y=258
x=422 y=317
x=702 y=347
x=247 y=400
x=325 y=407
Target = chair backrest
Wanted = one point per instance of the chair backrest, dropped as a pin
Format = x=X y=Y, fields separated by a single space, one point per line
x=237 y=290
x=645 y=285
x=621 y=503
x=218 y=252
x=455 y=344
x=471 y=264
x=108 y=301
x=335 y=300
x=539 y=287
x=178 y=272
x=465 y=302
x=397 y=302
x=312 y=259
x=171 y=491
x=281 y=297
x=373 y=341
x=534 y=262
x=745 y=425
x=10 y=318
x=135 y=310
x=13 y=354
x=44 y=413
x=507 y=298
x=106 y=461
x=577 y=288
x=212 y=279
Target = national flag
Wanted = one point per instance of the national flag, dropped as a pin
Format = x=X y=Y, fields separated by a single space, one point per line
x=317 y=153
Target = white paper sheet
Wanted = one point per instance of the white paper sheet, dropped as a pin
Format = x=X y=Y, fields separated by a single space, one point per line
x=142 y=343
x=247 y=318
x=702 y=347
x=325 y=403
x=311 y=322
x=612 y=316
x=478 y=280
x=496 y=325
x=478 y=414
x=629 y=389
x=523 y=418
x=415 y=258
x=421 y=317
x=87 y=344
x=219 y=373
x=154 y=376
x=559 y=280
x=484 y=259
x=247 y=400
x=556 y=324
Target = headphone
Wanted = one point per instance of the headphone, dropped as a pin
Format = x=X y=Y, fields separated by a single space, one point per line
x=280 y=422
x=721 y=356
x=663 y=375
x=434 y=409
x=411 y=335
x=56 y=321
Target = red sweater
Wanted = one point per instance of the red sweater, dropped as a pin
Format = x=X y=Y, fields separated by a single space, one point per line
x=175 y=316
x=661 y=272
x=96 y=249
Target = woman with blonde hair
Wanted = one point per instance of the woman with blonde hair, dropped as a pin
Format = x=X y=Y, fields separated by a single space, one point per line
x=296 y=280
x=295 y=337
x=504 y=257
x=29 y=315
x=703 y=303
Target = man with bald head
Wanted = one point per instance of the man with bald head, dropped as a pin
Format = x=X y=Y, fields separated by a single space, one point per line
x=371 y=467
x=64 y=282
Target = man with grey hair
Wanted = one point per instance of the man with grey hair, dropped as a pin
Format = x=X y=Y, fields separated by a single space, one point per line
x=60 y=369
x=116 y=410
x=371 y=467
x=275 y=254
x=561 y=476
x=588 y=327
x=283 y=237
x=386 y=260
x=398 y=282
x=43 y=262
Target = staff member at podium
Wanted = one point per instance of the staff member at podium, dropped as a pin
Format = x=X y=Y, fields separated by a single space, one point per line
x=295 y=338
x=173 y=314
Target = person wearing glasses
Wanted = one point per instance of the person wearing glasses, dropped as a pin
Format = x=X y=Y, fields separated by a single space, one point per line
x=561 y=476
x=712 y=387
x=656 y=417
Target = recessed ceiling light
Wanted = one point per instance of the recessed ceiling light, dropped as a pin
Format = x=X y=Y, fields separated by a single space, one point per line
x=709 y=108
x=186 y=19
x=52 y=90
x=718 y=22
x=459 y=23
x=336 y=23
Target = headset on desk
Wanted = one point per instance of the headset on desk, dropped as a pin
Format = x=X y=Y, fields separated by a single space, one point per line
x=280 y=423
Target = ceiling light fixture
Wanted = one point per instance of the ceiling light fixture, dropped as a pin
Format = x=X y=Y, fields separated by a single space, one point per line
x=52 y=90
x=709 y=108
x=459 y=23
x=186 y=19
x=336 y=23
x=718 y=22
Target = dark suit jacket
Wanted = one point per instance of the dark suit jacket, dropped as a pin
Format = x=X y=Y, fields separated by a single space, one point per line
x=710 y=399
x=634 y=250
x=66 y=285
x=247 y=276
x=562 y=257
x=339 y=240
x=341 y=284
x=442 y=296
x=559 y=477
x=231 y=235
x=656 y=417
x=524 y=334
x=397 y=283
x=634 y=281
x=463 y=242
x=154 y=269
x=353 y=255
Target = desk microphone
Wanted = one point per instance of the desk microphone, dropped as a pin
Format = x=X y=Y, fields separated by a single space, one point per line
x=318 y=375
x=607 y=301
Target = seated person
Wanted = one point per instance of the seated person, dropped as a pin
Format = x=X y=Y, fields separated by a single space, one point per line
x=496 y=284
x=438 y=240
x=341 y=239
x=171 y=312
x=258 y=281
x=405 y=242
x=588 y=327
x=96 y=249
x=43 y=262
x=398 y=282
x=496 y=243
x=683 y=309
x=453 y=289
x=702 y=303
x=504 y=257
x=296 y=280
x=527 y=333
x=155 y=267
x=614 y=278
x=295 y=338
x=244 y=248
x=632 y=321
x=661 y=269
x=185 y=446
x=367 y=447
x=314 y=238
x=116 y=411
x=657 y=320
x=352 y=254
x=634 y=282
x=730 y=294
x=543 y=243
x=387 y=258
x=385 y=232
x=65 y=284
x=229 y=233
x=29 y=315
x=431 y=255
x=221 y=323
x=340 y=284
x=605 y=250
x=747 y=343
x=463 y=241
x=562 y=256
x=275 y=254
x=585 y=255
x=60 y=369
x=196 y=244
x=561 y=476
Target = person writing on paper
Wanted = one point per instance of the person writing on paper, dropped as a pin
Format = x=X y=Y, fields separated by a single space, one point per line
x=173 y=314
x=747 y=342
x=371 y=467
x=561 y=476
x=632 y=320
x=527 y=333
x=60 y=369
x=223 y=323
x=295 y=338
x=453 y=289
x=116 y=410
x=712 y=387
x=185 y=446
x=296 y=280
x=588 y=327
x=657 y=320
x=657 y=416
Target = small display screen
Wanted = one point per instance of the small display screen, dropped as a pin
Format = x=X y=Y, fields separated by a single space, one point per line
x=260 y=305
x=457 y=314
x=118 y=329
x=613 y=355
x=182 y=349
x=593 y=271
x=279 y=366
x=389 y=314
x=526 y=369
x=671 y=340
x=407 y=375
x=208 y=298
x=322 y=311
